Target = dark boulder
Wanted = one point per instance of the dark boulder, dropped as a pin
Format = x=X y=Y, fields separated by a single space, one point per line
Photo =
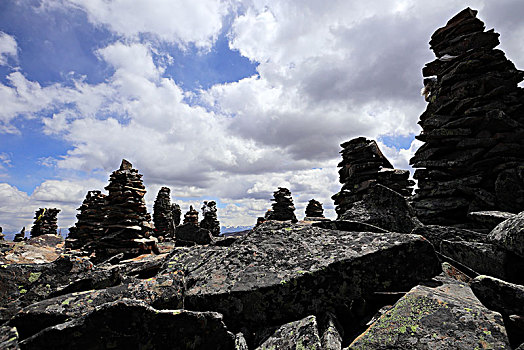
x=132 y=324
x=510 y=234
x=499 y=295
x=190 y=234
x=301 y=334
x=282 y=271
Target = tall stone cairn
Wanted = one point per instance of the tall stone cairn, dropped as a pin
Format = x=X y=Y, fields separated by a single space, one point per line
x=88 y=227
x=45 y=222
x=127 y=223
x=176 y=213
x=163 y=214
x=210 y=221
x=20 y=236
x=472 y=158
x=191 y=217
x=363 y=165
x=283 y=208
x=314 y=209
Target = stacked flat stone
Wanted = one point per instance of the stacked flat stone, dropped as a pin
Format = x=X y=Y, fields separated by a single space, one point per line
x=88 y=227
x=283 y=208
x=163 y=214
x=210 y=221
x=363 y=165
x=473 y=128
x=191 y=217
x=1 y=234
x=45 y=222
x=176 y=213
x=314 y=210
x=127 y=223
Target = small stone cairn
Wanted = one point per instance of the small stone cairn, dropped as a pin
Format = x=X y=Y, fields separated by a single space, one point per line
x=191 y=217
x=88 y=227
x=283 y=208
x=163 y=214
x=20 y=236
x=314 y=211
x=45 y=222
x=127 y=223
x=363 y=165
x=176 y=213
x=472 y=158
x=210 y=221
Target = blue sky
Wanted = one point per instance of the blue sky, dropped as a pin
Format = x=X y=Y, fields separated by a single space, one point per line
x=217 y=99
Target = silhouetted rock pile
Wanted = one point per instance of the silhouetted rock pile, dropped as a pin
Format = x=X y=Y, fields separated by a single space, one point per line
x=283 y=208
x=362 y=166
x=20 y=236
x=210 y=221
x=45 y=222
x=127 y=223
x=88 y=227
x=314 y=210
x=163 y=214
x=473 y=128
x=191 y=217
x=1 y=234
x=176 y=213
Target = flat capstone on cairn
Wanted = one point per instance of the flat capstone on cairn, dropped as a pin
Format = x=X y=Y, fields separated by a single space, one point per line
x=163 y=214
x=88 y=227
x=363 y=165
x=127 y=223
x=210 y=221
x=283 y=208
x=45 y=222
x=472 y=158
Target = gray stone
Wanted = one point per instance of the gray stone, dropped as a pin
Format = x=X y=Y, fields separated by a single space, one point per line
x=490 y=219
x=8 y=338
x=499 y=295
x=189 y=234
x=510 y=234
x=301 y=334
x=282 y=271
x=440 y=318
x=436 y=234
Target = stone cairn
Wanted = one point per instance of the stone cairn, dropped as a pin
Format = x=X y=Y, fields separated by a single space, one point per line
x=191 y=217
x=127 y=223
x=363 y=165
x=314 y=210
x=472 y=158
x=88 y=227
x=283 y=208
x=45 y=222
x=20 y=236
x=163 y=214
x=176 y=213
x=210 y=221
x=1 y=234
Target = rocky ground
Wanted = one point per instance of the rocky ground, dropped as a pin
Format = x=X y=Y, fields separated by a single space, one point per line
x=447 y=273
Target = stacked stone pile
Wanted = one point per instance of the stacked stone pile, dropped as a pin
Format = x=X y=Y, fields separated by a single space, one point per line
x=473 y=127
x=283 y=208
x=176 y=213
x=88 y=227
x=127 y=223
x=20 y=236
x=163 y=214
x=314 y=210
x=210 y=221
x=1 y=234
x=45 y=222
x=363 y=165
x=191 y=217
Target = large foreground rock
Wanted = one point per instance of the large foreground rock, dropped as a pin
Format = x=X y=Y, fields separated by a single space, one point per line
x=301 y=334
x=131 y=324
x=281 y=272
x=441 y=318
x=510 y=234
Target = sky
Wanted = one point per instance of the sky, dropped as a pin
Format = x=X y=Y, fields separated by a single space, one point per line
x=216 y=99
